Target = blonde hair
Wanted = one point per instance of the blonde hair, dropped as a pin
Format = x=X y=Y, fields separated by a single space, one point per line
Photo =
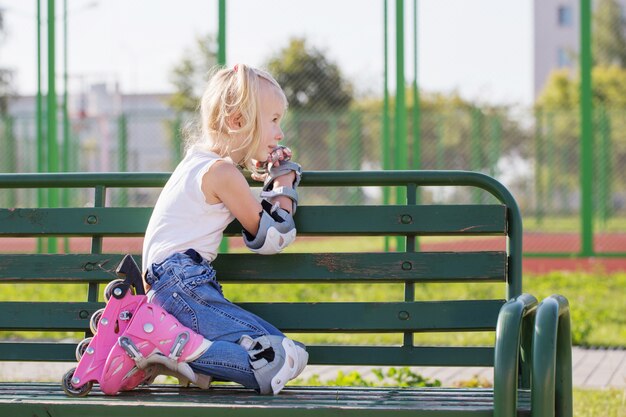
x=230 y=93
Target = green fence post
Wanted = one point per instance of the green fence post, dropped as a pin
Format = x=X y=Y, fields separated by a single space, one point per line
x=386 y=134
x=177 y=140
x=355 y=152
x=53 y=146
x=604 y=167
x=400 y=112
x=333 y=151
x=495 y=143
x=65 y=192
x=586 y=130
x=550 y=161
x=440 y=148
x=10 y=156
x=221 y=60
x=122 y=154
x=417 y=122
x=41 y=143
x=475 y=148
x=539 y=197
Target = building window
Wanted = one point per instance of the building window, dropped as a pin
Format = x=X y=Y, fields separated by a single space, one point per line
x=563 y=58
x=565 y=16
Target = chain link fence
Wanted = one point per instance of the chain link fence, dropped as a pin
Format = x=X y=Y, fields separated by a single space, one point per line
x=335 y=122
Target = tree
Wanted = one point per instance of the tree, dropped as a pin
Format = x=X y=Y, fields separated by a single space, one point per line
x=310 y=80
x=6 y=75
x=558 y=121
x=190 y=75
x=608 y=41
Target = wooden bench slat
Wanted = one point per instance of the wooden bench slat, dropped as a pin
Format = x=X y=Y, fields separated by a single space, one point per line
x=222 y=401
x=317 y=267
x=314 y=220
x=319 y=355
x=468 y=315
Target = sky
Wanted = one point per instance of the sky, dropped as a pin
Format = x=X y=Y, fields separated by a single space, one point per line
x=480 y=48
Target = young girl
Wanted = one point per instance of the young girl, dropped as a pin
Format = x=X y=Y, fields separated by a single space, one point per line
x=241 y=112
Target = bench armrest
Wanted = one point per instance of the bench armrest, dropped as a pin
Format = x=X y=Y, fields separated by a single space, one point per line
x=513 y=338
x=552 y=359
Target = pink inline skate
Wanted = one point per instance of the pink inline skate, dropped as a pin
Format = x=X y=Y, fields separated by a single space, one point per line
x=118 y=356
x=107 y=325
x=154 y=343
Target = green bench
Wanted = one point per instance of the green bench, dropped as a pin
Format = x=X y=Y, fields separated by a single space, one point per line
x=531 y=355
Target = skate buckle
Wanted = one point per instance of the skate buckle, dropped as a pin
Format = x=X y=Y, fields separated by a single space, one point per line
x=179 y=344
x=125 y=315
x=130 y=348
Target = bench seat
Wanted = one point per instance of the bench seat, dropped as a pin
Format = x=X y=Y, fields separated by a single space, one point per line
x=45 y=399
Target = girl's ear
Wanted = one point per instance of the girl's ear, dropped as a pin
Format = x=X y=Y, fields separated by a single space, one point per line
x=235 y=121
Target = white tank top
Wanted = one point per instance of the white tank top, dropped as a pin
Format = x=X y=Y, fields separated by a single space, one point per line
x=182 y=219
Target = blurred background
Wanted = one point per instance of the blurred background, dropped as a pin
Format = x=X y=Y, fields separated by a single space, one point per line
x=485 y=85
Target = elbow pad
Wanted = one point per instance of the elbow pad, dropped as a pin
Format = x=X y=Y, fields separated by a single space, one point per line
x=276 y=231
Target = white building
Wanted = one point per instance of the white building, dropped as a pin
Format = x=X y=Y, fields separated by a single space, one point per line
x=95 y=130
x=556 y=37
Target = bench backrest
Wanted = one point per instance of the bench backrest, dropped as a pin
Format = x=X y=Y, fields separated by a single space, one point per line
x=409 y=269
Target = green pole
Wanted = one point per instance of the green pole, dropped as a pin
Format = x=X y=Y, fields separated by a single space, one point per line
x=440 y=146
x=221 y=60
x=400 y=119
x=53 y=151
x=495 y=136
x=417 y=152
x=122 y=154
x=66 y=117
x=9 y=156
x=177 y=139
x=355 y=152
x=417 y=122
x=604 y=165
x=65 y=196
x=539 y=194
x=550 y=161
x=41 y=159
x=332 y=151
x=475 y=148
x=586 y=129
x=386 y=148
x=221 y=33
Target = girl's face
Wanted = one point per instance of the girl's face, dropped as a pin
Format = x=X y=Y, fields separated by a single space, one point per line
x=271 y=112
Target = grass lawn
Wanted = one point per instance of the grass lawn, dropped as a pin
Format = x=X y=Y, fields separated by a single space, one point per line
x=598 y=304
x=599 y=403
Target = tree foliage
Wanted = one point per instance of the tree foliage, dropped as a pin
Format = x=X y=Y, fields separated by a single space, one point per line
x=190 y=75
x=608 y=41
x=310 y=80
x=562 y=91
x=6 y=74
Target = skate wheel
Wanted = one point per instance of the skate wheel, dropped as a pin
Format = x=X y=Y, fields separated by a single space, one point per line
x=94 y=320
x=81 y=347
x=108 y=290
x=69 y=389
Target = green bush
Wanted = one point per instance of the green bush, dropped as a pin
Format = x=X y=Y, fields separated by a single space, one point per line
x=392 y=377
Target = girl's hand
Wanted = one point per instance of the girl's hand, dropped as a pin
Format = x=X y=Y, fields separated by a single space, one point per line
x=280 y=153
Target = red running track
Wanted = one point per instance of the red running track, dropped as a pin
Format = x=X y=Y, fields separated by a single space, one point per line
x=533 y=242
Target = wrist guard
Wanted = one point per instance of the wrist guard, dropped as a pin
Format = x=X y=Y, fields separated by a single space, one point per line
x=274 y=172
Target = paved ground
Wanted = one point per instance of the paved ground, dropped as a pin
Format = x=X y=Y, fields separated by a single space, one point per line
x=596 y=368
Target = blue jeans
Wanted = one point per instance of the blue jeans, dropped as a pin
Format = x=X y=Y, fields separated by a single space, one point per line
x=186 y=287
